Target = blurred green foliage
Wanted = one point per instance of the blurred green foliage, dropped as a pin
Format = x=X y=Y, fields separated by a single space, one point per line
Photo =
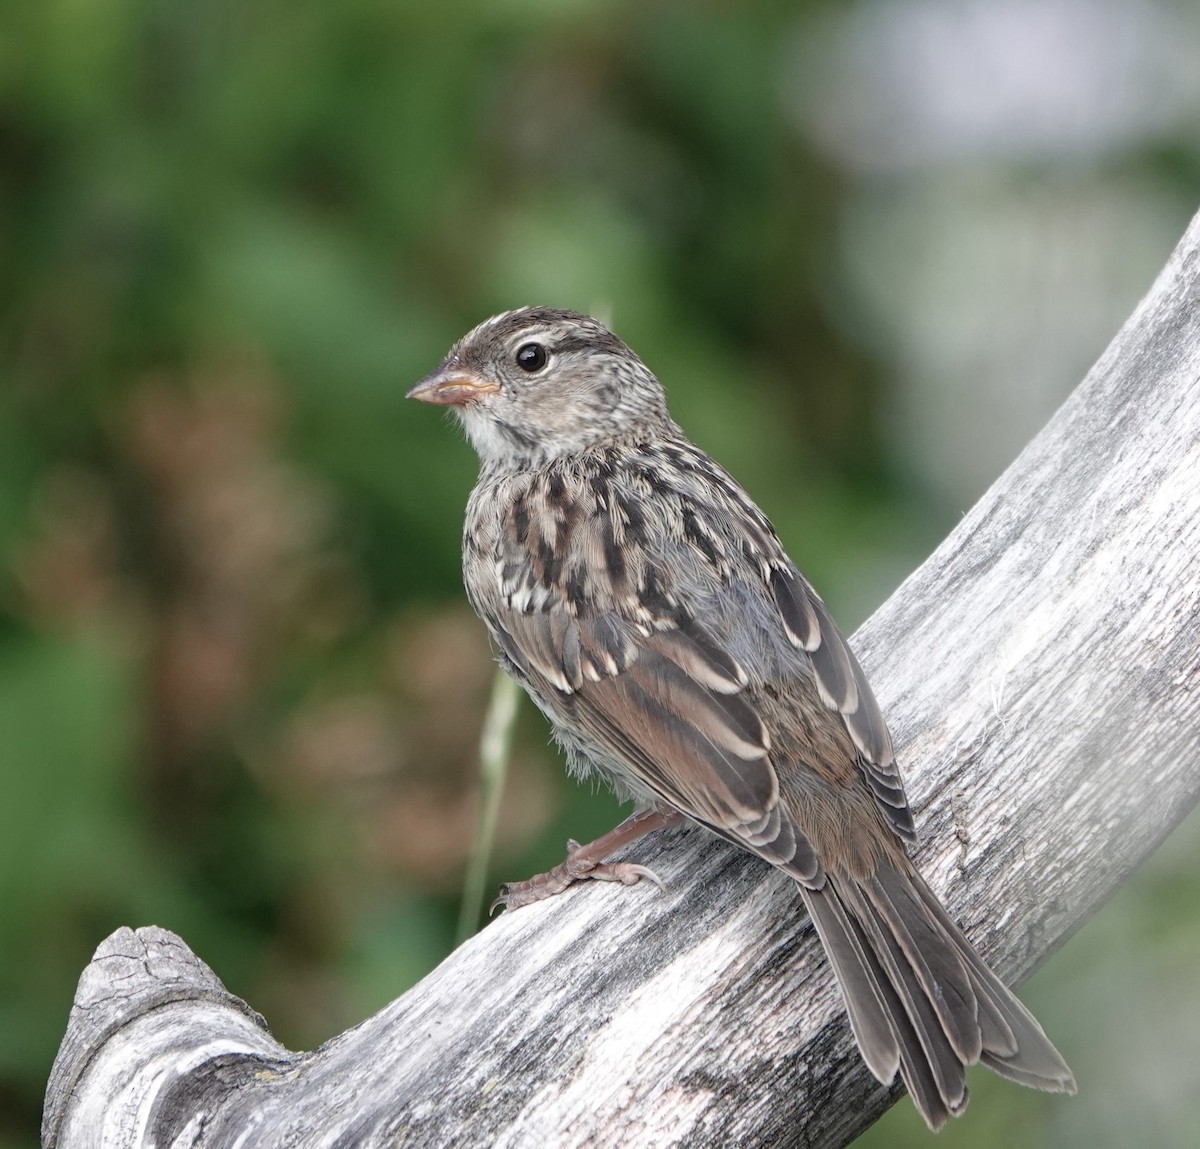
x=239 y=688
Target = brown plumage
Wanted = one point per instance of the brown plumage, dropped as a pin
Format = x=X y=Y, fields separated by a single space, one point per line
x=647 y=606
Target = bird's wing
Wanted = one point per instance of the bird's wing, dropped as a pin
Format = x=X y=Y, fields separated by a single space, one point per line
x=843 y=688
x=670 y=705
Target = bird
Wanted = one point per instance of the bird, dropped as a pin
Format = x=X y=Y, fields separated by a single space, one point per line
x=647 y=606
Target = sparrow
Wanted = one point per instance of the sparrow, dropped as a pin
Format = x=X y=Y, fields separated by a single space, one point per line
x=647 y=606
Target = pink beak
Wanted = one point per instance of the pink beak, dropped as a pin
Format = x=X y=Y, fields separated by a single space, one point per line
x=451 y=387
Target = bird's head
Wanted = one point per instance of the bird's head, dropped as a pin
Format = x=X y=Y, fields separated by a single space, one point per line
x=539 y=383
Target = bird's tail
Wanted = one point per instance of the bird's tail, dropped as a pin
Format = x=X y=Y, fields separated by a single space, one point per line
x=920 y=999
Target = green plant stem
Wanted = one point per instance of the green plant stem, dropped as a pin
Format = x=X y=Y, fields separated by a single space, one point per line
x=494 y=745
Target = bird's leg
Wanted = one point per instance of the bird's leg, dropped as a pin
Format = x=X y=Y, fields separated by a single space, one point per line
x=588 y=862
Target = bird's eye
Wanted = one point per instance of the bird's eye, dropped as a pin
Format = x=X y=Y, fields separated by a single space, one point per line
x=531 y=357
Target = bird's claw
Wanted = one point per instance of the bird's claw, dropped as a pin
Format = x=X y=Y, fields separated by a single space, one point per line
x=627 y=873
x=514 y=895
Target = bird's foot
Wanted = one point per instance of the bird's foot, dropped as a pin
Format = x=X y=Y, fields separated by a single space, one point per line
x=583 y=862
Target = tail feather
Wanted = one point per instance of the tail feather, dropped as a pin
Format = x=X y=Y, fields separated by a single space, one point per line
x=939 y=967
x=878 y=1017
x=997 y=1037
x=919 y=998
x=935 y=1047
x=864 y=984
x=1030 y=1058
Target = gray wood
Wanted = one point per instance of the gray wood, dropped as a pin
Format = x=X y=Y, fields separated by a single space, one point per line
x=1041 y=672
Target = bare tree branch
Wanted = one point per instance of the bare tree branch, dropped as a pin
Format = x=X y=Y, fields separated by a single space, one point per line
x=1041 y=672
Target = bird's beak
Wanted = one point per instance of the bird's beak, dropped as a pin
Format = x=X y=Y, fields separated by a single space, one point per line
x=452 y=387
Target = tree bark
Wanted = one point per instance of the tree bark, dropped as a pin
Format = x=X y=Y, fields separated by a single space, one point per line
x=1041 y=674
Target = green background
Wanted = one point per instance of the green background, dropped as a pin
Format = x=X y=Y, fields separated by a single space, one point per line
x=868 y=247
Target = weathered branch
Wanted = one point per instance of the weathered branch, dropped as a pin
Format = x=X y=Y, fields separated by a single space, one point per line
x=1042 y=676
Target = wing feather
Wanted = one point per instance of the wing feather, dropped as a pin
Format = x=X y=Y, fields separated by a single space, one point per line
x=672 y=708
x=843 y=688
